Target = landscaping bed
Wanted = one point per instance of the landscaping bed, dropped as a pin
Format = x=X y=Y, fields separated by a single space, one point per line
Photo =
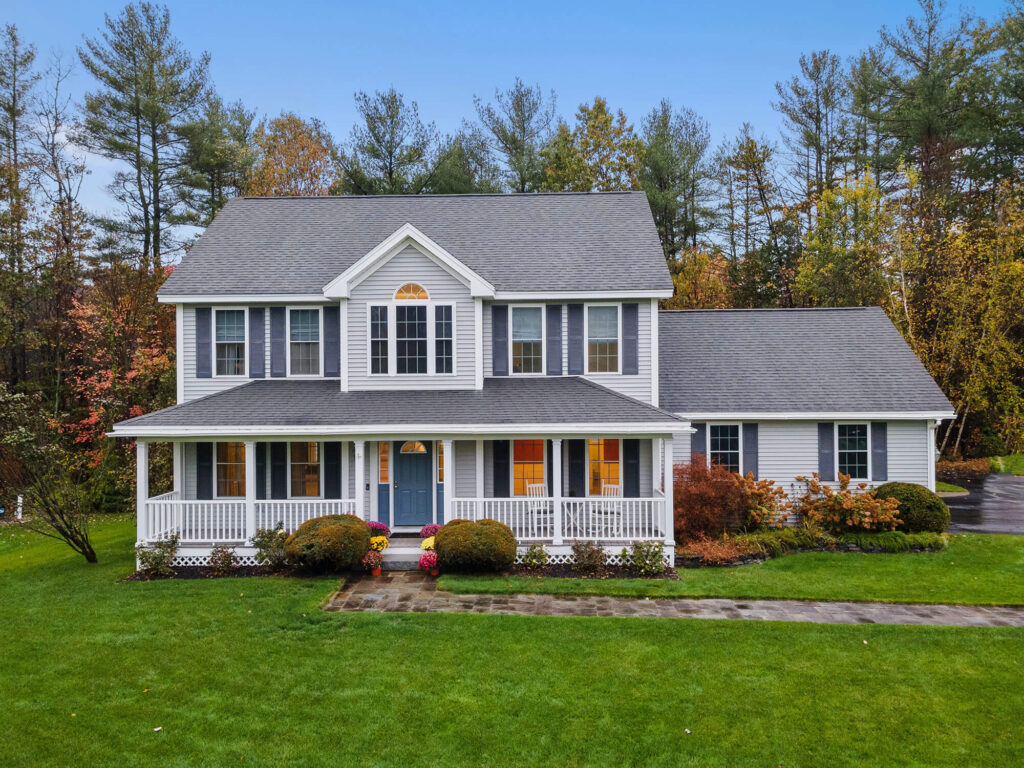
x=567 y=570
x=202 y=572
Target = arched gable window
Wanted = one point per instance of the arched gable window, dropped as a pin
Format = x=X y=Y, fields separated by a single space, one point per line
x=414 y=446
x=411 y=291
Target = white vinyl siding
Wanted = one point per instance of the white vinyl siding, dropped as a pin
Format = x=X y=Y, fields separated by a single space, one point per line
x=410 y=266
x=908 y=451
x=195 y=387
x=465 y=468
x=637 y=386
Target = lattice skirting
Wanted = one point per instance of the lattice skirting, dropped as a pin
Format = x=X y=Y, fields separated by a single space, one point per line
x=199 y=556
x=562 y=555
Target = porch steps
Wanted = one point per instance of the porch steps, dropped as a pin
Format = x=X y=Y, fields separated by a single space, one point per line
x=404 y=552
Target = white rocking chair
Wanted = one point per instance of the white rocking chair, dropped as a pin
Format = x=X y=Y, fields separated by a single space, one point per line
x=537 y=506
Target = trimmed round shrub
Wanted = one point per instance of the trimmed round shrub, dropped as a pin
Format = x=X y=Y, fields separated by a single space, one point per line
x=920 y=510
x=329 y=543
x=485 y=545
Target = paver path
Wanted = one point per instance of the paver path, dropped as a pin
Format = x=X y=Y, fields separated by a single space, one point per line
x=413 y=592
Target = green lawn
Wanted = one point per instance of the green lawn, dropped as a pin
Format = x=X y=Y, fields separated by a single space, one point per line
x=975 y=568
x=251 y=672
x=942 y=487
x=1010 y=465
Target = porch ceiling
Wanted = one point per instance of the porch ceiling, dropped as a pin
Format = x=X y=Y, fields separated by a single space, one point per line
x=280 y=406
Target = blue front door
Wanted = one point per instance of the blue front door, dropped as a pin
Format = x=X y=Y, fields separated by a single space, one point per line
x=412 y=481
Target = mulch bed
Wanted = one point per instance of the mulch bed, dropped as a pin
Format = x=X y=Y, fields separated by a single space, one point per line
x=567 y=571
x=203 y=572
x=956 y=472
x=684 y=560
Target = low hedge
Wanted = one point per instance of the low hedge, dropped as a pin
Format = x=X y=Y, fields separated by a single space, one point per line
x=896 y=541
x=484 y=545
x=329 y=543
x=920 y=511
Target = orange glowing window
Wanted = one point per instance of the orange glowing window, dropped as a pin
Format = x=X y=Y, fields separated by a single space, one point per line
x=411 y=291
x=604 y=464
x=527 y=465
x=383 y=458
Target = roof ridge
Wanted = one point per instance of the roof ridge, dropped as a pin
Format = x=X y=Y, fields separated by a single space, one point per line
x=509 y=195
x=771 y=309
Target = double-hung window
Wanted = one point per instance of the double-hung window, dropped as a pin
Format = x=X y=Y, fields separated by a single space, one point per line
x=527 y=465
x=852 y=450
x=724 y=446
x=527 y=340
x=304 y=342
x=604 y=468
x=603 y=339
x=230 y=342
x=443 y=352
x=378 y=339
x=410 y=338
x=230 y=470
x=304 y=459
x=411 y=334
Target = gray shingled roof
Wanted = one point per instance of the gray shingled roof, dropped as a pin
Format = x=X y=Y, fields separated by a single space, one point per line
x=790 y=360
x=296 y=402
x=551 y=242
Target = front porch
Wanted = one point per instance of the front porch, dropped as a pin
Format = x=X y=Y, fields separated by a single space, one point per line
x=549 y=489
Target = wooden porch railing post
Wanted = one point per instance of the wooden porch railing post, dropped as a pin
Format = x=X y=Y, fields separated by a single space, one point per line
x=556 y=484
x=250 y=490
x=141 y=489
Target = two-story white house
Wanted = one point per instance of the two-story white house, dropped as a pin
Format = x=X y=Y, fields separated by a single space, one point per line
x=412 y=359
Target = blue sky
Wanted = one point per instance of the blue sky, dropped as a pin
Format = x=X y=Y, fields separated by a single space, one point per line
x=720 y=58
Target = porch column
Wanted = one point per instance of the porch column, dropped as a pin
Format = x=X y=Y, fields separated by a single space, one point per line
x=556 y=484
x=479 y=469
x=178 y=466
x=449 y=477
x=250 y=490
x=360 y=478
x=670 y=535
x=141 y=489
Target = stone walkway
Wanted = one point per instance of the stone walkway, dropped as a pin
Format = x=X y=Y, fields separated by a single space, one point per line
x=413 y=592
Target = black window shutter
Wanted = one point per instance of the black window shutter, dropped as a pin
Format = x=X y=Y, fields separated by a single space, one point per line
x=879 y=451
x=548 y=469
x=502 y=468
x=631 y=468
x=749 y=449
x=332 y=470
x=554 y=340
x=499 y=339
x=278 y=361
x=577 y=450
x=631 y=339
x=699 y=439
x=204 y=347
x=261 y=470
x=257 y=347
x=332 y=341
x=826 y=451
x=204 y=470
x=279 y=470
x=575 y=339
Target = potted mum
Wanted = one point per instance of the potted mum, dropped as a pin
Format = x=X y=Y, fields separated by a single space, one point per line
x=428 y=562
x=373 y=561
x=428 y=530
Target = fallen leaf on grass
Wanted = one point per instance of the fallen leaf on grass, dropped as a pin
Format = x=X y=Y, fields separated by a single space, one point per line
x=158 y=729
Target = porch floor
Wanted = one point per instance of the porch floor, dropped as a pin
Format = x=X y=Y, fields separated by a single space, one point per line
x=415 y=592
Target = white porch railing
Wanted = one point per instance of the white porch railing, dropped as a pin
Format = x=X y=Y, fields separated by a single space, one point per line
x=595 y=519
x=292 y=513
x=225 y=520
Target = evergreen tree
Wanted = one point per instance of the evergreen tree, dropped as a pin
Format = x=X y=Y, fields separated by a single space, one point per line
x=519 y=124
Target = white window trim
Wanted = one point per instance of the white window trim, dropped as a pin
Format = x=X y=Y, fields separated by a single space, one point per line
x=320 y=456
x=392 y=307
x=543 y=338
x=512 y=464
x=707 y=438
x=586 y=338
x=288 y=342
x=621 y=476
x=245 y=347
x=835 y=451
x=217 y=495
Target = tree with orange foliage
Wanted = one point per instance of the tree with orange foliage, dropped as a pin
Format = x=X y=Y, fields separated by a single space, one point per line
x=293 y=157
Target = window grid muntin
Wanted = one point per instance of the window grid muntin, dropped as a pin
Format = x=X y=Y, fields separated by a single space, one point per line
x=379 y=339
x=603 y=464
x=852 y=450
x=527 y=339
x=443 y=338
x=411 y=339
x=603 y=339
x=304 y=342
x=724 y=446
x=230 y=470
x=304 y=474
x=528 y=464
x=229 y=342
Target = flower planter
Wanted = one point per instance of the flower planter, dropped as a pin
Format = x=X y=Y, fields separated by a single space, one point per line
x=435 y=571
x=375 y=572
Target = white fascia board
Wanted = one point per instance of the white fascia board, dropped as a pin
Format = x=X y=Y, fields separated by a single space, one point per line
x=240 y=298
x=810 y=415
x=406 y=234
x=663 y=428
x=581 y=295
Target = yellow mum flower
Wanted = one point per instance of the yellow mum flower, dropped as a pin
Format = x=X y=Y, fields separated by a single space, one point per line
x=427 y=543
x=379 y=543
